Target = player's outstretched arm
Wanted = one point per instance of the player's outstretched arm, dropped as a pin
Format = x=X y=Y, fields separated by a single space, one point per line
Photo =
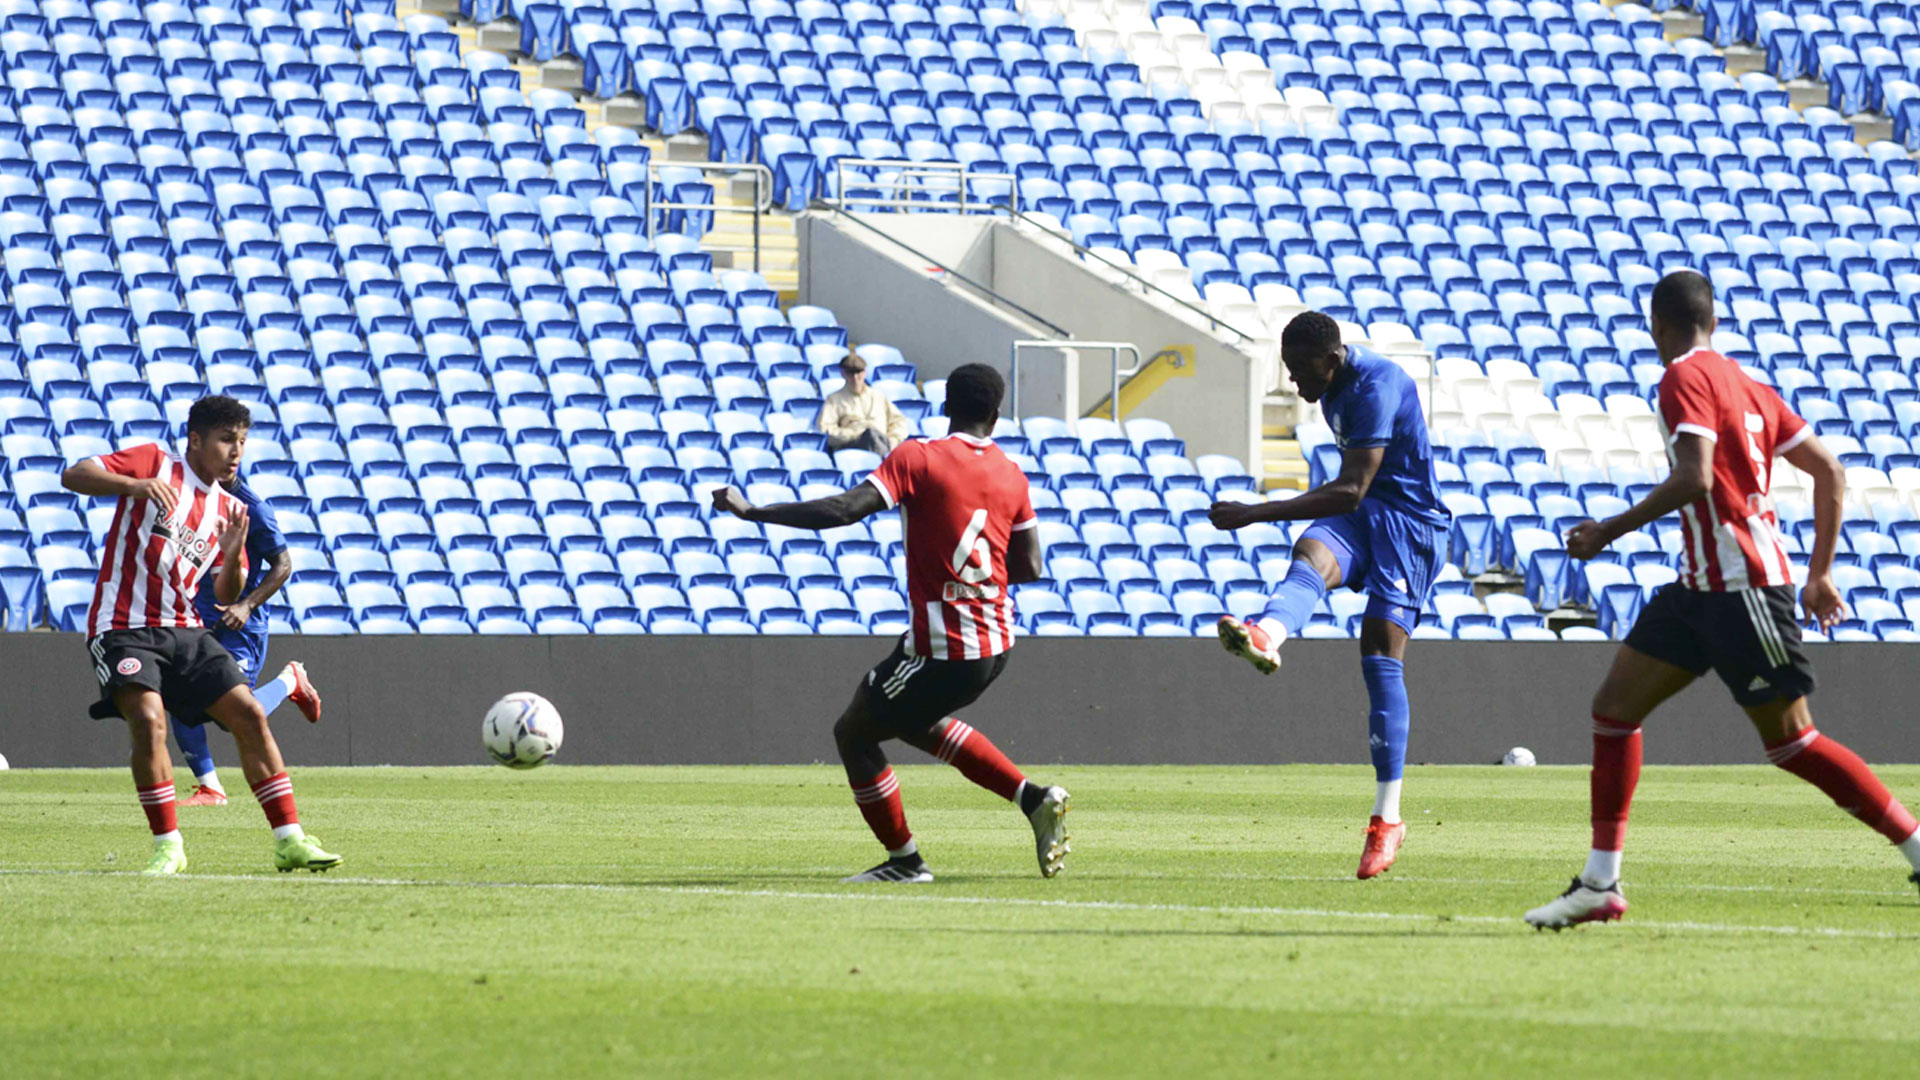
x=860 y=501
x=1821 y=597
x=1690 y=480
x=89 y=477
x=1341 y=495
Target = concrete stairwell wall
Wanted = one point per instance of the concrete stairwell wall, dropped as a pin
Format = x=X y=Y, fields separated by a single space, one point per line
x=883 y=293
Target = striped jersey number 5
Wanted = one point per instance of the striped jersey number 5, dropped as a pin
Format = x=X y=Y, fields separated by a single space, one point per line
x=974 y=546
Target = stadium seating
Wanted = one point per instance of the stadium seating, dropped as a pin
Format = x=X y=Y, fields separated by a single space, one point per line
x=488 y=400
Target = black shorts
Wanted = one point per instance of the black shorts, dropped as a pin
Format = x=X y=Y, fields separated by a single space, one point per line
x=186 y=666
x=1749 y=637
x=910 y=694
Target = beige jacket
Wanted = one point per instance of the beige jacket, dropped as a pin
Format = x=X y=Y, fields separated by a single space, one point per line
x=845 y=415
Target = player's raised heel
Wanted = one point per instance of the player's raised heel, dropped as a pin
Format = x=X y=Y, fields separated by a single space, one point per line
x=304 y=696
x=1245 y=639
x=168 y=859
x=912 y=871
x=1581 y=903
x=1051 y=843
x=302 y=853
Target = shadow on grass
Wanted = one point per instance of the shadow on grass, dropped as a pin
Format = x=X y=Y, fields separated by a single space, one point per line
x=1438 y=929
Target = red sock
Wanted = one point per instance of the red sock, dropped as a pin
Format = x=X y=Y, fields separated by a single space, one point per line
x=1616 y=772
x=276 y=798
x=879 y=801
x=1846 y=779
x=979 y=760
x=157 y=801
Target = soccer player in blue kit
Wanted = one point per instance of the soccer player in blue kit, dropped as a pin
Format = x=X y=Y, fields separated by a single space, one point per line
x=1379 y=528
x=242 y=628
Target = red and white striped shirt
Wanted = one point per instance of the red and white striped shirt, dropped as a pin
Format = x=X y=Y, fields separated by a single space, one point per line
x=151 y=565
x=1732 y=537
x=961 y=500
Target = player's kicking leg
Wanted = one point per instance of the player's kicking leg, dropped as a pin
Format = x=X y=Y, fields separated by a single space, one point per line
x=153 y=776
x=292 y=684
x=266 y=773
x=1634 y=687
x=1316 y=569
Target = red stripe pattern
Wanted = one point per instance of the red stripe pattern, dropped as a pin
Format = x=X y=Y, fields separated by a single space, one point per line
x=879 y=802
x=158 y=802
x=151 y=565
x=276 y=798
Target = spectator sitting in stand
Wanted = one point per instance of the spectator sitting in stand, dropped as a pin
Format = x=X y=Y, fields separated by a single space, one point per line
x=859 y=416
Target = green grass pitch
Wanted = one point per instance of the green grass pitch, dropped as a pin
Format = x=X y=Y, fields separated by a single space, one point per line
x=688 y=921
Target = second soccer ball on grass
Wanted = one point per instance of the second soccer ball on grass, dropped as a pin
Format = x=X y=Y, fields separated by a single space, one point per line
x=522 y=731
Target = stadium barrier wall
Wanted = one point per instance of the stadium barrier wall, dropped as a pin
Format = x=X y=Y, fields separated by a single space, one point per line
x=748 y=700
x=882 y=294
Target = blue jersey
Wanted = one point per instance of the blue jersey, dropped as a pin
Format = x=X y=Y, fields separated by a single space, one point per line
x=1373 y=402
x=264 y=541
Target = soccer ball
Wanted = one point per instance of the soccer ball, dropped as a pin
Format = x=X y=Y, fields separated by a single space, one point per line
x=522 y=731
x=3 y=763
x=1519 y=755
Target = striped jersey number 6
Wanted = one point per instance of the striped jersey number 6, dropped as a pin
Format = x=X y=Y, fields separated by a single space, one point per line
x=974 y=546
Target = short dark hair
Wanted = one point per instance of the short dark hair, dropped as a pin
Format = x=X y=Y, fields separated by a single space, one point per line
x=973 y=393
x=1683 y=301
x=217 y=411
x=1310 y=332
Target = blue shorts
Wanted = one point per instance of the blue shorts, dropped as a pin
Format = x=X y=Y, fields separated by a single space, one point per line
x=1392 y=557
x=249 y=651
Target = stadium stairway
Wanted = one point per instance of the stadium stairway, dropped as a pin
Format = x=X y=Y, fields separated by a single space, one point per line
x=733 y=240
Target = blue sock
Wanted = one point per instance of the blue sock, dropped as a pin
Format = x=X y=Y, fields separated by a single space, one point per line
x=270 y=694
x=193 y=746
x=1293 y=602
x=1387 y=715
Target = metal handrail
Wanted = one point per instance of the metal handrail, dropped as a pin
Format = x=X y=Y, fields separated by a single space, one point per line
x=949 y=271
x=910 y=176
x=762 y=197
x=1080 y=249
x=1114 y=349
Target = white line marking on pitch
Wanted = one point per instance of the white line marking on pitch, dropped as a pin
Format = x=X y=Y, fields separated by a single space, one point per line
x=995 y=901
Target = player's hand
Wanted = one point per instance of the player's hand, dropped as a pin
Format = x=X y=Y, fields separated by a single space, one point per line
x=1587 y=539
x=235 y=615
x=1821 y=601
x=728 y=501
x=1231 y=515
x=157 y=490
x=233 y=535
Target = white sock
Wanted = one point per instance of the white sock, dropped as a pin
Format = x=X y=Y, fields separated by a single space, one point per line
x=1910 y=847
x=1603 y=868
x=211 y=781
x=904 y=850
x=1386 y=801
x=1275 y=629
x=281 y=832
x=163 y=839
x=286 y=677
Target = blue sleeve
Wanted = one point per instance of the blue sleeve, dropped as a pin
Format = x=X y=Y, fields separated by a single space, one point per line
x=1369 y=414
x=264 y=538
